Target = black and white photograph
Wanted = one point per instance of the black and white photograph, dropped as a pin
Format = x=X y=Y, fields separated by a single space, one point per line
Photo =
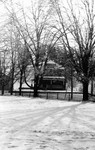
x=47 y=75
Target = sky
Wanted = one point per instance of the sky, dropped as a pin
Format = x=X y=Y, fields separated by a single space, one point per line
x=27 y=3
x=24 y=4
x=4 y=13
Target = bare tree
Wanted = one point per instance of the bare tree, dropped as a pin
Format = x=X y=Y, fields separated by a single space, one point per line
x=4 y=71
x=35 y=29
x=13 y=44
x=6 y=54
x=79 y=38
x=23 y=62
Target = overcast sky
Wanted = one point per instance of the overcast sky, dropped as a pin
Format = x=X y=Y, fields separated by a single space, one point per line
x=26 y=3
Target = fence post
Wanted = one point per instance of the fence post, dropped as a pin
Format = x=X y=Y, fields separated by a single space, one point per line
x=57 y=95
x=69 y=96
x=47 y=95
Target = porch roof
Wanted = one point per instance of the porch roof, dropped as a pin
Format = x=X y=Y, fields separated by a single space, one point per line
x=53 y=78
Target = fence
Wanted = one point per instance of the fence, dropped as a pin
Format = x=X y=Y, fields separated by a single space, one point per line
x=61 y=95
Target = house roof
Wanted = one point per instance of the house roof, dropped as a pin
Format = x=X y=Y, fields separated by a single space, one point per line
x=51 y=62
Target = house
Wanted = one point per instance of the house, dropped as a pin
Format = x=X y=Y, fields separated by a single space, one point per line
x=53 y=78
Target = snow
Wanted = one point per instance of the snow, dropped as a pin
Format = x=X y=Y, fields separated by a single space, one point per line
x=39 y=124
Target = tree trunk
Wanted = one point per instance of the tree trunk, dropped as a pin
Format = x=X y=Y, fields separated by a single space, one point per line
x=2 y=89
x=12 y=81
x=71 y=82
x=36 y=79
x=85 y=91
x=92 y=87
x=71 y=88
x=20 y=87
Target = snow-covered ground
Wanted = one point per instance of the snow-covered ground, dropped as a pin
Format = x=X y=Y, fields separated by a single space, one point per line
x=39 y=124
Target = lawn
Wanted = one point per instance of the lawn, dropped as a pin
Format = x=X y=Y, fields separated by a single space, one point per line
x=40 y=124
